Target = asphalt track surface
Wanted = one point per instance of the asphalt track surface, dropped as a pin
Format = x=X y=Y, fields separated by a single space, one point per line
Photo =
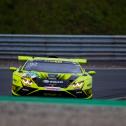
x=107 y=83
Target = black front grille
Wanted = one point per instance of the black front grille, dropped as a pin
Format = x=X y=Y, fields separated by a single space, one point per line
x=45 y=93
x=40 y=83
x=51 y=94
x=27 y=91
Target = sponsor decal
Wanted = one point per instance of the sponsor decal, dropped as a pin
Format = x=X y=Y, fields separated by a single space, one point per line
x=56 y=82
x=52 y=88
x=52 y=82
x=29 y=74
x=46 y=81
x=24 y=89
x=53 y=61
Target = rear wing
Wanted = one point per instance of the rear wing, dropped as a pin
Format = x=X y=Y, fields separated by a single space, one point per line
x=77 y=60
x=24 y=58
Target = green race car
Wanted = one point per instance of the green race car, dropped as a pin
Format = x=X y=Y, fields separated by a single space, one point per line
x=59 y=77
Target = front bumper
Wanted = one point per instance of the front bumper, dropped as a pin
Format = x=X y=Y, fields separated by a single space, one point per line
x=27 y=91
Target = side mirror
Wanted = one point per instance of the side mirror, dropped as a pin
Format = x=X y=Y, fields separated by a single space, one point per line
x=13 y=68
x=92 y=72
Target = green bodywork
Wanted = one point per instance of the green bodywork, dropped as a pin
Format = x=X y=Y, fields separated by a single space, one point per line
x=25 y=84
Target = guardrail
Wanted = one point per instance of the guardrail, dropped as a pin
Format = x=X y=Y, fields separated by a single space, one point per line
x=92 y=47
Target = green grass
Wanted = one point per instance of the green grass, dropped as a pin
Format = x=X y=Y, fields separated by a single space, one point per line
x=63 y=17
x=64 y=101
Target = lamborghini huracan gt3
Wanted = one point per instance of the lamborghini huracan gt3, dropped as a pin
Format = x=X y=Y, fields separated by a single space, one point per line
x=59 y=77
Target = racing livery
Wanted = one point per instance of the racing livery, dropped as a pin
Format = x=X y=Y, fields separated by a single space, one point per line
x=60 y=77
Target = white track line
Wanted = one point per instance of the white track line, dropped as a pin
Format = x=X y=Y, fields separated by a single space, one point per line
x=119 y=98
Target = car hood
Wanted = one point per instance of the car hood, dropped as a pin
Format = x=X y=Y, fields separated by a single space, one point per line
x=51 y=76
x=62 y=80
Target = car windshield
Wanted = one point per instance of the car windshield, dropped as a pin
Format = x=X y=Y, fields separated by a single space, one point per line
x=52 y=67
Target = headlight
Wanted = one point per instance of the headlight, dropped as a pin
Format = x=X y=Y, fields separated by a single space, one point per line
x=27 y=81
x=78 y=84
